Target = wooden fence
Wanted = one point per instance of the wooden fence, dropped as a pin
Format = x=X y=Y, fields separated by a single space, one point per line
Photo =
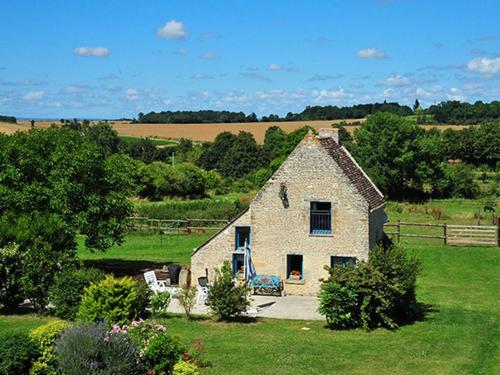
x=176 y=226
x=451 y=234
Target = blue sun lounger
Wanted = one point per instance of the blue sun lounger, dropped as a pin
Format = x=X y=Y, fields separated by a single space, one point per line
x=267 y=284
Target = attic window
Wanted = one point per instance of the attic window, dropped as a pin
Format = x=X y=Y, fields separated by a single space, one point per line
x=321 y=218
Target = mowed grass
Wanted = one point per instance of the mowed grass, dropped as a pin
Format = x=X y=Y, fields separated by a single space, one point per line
x=157 y=142
x=459 y=335
x=148 y=247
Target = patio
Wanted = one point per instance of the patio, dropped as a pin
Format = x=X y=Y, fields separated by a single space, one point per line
x=288 y=307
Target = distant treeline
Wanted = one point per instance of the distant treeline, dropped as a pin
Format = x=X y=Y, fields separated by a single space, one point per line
x=11 y=119
x=455 y=112
x=450 y=112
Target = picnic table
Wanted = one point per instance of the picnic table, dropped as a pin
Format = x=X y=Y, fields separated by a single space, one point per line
x=267 y=284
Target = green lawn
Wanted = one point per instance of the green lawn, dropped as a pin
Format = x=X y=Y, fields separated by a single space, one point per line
x=460 y=334
x=148 y=247
x=156 y=141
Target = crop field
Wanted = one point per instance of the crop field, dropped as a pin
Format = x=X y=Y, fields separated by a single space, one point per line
x=206 y=132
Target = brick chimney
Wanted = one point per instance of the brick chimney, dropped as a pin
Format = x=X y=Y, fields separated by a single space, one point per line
x=329 y=133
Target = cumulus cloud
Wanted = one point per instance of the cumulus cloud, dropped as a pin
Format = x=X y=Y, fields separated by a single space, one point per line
x=371 y=53
x=274 y=67
x=395 y=80
x=484 y=65
x=328 y=96
x=34 y=95
x=172 y=30
x=92 y=51
x=132 y=94
x=208 y=56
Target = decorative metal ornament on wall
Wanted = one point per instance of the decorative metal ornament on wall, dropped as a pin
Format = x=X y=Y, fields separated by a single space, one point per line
x=283 y=195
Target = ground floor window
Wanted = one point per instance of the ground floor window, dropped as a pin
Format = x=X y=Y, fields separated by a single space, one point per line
x=295 y=267
x=239 y=265
x=340 y=261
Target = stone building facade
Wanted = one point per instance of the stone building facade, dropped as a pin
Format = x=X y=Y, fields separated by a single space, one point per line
x=319 y=208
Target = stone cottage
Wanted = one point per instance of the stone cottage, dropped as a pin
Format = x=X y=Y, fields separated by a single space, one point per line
x=319 y=208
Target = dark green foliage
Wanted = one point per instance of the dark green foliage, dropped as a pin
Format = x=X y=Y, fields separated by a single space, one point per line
x=105 y=137
x=455 y=112
x=17 y=353
x=186 y=117
x=115 y=301
x=159 y=180
x=356 y=111
x=10 y=277
x=225 y=298
x=377 y=293
x=65 y=294
x=61 y=171
x=10 y=119
x=214 y=153
x=40 y=262
x=273 y=142
x=90 y=349
x=242 y=157
x=460 y=181
x=162 y=353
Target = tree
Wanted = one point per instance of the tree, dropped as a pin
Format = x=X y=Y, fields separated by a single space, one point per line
x=416 y=105
x=387 y=147
x=60 y=172
x=243 y=157
x=214 y=153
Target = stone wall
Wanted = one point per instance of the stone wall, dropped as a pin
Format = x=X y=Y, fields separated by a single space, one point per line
x=309 y=174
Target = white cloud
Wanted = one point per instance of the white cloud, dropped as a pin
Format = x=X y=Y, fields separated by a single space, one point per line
x=72 y=89
x=172 y=30
x=371 y=53
x=274 y=67
x=321 y=96
x=208 y=56
x=201 y=76
x=34 y=95
x=182 y=52
x=92 y=51
x=484 y=65
x=132 y=94
x=396 y=80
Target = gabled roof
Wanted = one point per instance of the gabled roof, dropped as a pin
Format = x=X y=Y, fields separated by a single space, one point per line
x=353 y=172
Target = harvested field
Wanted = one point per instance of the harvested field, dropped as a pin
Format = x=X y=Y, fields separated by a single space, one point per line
x=206 y=132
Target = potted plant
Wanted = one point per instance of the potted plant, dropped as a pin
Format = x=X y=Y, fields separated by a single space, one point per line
x=295 y=275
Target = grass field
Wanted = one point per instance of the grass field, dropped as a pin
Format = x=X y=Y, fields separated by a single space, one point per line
x=157 y=142
x=204 y=132
x=460 y=334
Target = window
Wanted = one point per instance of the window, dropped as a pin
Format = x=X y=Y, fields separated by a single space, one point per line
x=338 y=261
x=321 y=218
x=239 y=265
x=242 y=236
x=295 y=267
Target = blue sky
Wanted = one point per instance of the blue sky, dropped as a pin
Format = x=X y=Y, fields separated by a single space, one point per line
x=105 y=59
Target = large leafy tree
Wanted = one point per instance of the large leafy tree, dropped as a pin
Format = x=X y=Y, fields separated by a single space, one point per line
x=396 y=154
x=61 y=173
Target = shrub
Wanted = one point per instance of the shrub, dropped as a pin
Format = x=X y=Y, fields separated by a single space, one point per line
x=90 y=349
x=66 y=292
x=10 y=277
x=17 y=352
x=187 y=298
x=185 y=368
x=159 y=351
x=337 y=304
x=377 y=293
x=39 y=264
x=116 y=301
x=158 y=304
x=45 y=338
x=225 y=298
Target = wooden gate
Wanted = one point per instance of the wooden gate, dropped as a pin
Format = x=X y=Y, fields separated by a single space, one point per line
x=472 y=234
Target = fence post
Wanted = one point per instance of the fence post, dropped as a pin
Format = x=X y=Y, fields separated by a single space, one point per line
x=445 y=233
x=498 y=231
x=399 y=230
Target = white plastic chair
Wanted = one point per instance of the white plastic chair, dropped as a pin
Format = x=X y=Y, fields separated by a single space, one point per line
x=154 y=284
x=202 y=293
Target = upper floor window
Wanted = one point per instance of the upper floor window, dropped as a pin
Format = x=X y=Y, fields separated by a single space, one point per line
x=321 y=218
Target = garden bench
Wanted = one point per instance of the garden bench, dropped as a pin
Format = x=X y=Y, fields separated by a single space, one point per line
x=267 y=284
